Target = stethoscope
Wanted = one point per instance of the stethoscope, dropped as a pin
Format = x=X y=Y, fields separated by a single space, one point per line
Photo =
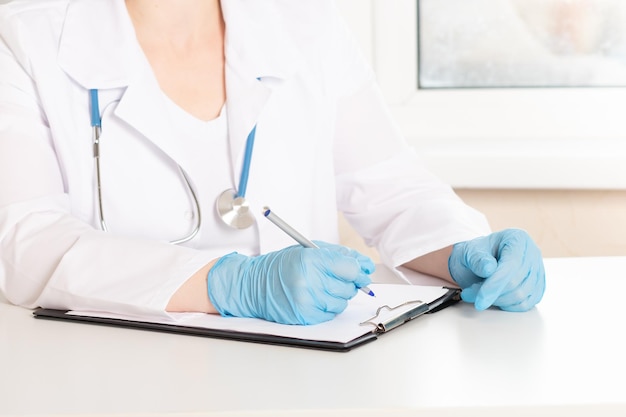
x=231 y=205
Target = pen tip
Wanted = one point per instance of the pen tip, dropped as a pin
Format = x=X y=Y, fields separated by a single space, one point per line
x=266 y=211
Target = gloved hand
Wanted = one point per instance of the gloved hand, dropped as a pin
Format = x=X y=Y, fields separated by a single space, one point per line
x=295 y=285
x=504 y=269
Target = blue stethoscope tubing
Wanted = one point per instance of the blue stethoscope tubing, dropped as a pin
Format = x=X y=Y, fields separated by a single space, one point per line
x=247 y=159
x=232 y=208
x=96 y=124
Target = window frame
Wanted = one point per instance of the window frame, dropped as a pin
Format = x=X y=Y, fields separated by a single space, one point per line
x=568 y=138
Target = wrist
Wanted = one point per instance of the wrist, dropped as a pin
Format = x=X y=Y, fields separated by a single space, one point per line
x=224 y=279
x=436 y=263
x=192 y=295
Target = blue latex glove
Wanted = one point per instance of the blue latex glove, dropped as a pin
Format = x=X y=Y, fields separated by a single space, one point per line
x=295 y=285
x=504 y=269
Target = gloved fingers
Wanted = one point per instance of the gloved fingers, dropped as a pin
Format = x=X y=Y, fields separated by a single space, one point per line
x=517 y=254
x=331 y=286
x=480 y=260
x=331 y=304
x=529 y=302
x=367 y=265
x=521 y=306
x=470 y=262
x=307 y=316
x=324 y=300
x=344 y=268
x=317 y=303
x=524 y=283
x=460 y=273
x=516 y=296
x=320 y=317
x=469 y=294
x=527 y=294
x=329 y=273
x=482 y=255
x=300 y=303
x=506 y=275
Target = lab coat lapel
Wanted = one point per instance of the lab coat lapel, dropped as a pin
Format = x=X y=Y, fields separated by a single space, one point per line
x=250 y=28
x=246 y=99
x=94 y=48
x=143 y=107
x=109 y=58
x=261 y=58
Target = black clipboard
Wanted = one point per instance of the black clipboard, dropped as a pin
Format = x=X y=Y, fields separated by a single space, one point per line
x=376 y=327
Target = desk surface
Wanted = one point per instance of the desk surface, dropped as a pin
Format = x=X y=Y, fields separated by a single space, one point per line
x=565 y=357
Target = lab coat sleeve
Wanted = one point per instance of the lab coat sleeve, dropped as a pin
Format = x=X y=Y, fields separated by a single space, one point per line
x=383 y=187
x=48 y=257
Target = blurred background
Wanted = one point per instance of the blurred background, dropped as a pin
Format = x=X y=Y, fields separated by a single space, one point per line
x=558 y=71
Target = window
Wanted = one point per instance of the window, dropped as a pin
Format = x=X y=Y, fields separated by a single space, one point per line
x=521 y=43
x=505 y=93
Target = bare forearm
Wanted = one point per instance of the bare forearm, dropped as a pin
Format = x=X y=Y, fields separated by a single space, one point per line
x=193 y=296
x=434 y=263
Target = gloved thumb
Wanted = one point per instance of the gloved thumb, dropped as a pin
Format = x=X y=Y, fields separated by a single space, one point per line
x=481 y=263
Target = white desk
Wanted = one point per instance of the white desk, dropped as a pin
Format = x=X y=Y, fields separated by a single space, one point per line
x=566 y=357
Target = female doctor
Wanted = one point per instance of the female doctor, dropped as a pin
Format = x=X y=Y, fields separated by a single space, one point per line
x=141 y=139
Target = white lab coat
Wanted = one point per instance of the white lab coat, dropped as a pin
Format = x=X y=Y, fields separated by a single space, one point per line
x=324 y=143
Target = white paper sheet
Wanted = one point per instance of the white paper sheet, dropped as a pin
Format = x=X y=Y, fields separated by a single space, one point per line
x=343 y=328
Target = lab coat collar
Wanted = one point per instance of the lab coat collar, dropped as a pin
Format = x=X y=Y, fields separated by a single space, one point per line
x=256 y=40
x=257 y=47
x=94 y=49
x=98 y=49
x=99 y=32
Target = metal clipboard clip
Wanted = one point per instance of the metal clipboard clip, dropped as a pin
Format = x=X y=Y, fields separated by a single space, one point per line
x=388 y=318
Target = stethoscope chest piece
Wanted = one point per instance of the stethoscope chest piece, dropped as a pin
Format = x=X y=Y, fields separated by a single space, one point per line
x=234 y=210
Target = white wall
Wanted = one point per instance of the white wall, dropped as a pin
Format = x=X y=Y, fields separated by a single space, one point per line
x=562 y=222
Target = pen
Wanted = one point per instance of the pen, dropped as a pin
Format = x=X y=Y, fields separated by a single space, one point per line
x=298 y=237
